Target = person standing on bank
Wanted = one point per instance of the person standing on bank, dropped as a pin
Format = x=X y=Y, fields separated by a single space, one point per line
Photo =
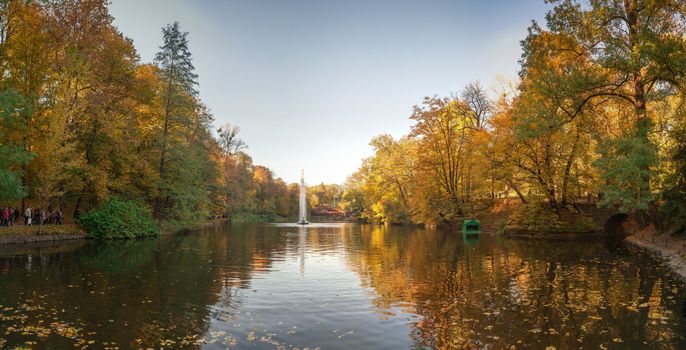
x=27 y=216
x=5 y=216
x=37 y=216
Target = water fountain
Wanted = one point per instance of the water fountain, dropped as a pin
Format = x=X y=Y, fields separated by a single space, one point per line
x=302 y=217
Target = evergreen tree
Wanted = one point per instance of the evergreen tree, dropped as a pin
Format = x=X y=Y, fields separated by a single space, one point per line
x=179 y=92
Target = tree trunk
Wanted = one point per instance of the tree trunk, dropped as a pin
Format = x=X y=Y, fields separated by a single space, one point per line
x=517 y=191
x=77 y=207
x=639 y=93
x=552 y=200
x=163 y=150
x=568 y=167
x=456 y=203
x=403 y=196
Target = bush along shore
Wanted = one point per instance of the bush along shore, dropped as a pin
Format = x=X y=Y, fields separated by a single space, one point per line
x=118 y=218
x=535 y=220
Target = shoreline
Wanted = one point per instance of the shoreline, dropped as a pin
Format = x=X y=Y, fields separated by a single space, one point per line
x=40 y=233
x=56 y=233
x=671 y=250
x=571 y=237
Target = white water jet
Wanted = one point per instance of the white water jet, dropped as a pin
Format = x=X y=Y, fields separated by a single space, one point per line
x=302 y=218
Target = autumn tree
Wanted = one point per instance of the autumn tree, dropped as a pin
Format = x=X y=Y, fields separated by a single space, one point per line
x=548 y=143
x=441 y=129
x=504 y=151
x=356 y=198
x=633 y=53
x=91 y=138
x=477 y=109
x=391 y=179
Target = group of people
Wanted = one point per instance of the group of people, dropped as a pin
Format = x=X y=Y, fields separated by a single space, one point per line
x=10 y=216
x=40 y=217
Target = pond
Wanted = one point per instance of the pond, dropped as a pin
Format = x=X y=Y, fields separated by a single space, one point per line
x=336 y=286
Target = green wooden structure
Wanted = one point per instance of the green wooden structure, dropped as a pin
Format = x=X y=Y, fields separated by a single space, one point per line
x=471 y=227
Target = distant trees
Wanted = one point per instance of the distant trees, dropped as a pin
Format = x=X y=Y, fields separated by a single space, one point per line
x=324 y=195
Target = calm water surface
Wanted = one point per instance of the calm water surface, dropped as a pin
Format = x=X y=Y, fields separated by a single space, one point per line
x=336 y=287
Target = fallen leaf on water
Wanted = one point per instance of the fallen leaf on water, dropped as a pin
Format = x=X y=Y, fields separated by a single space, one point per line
x=251 y=336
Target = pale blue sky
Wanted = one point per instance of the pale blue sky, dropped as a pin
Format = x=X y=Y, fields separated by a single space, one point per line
x=311 y=82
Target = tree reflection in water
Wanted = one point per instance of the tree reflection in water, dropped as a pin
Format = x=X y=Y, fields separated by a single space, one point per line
x=347 y=286
x=512 y=293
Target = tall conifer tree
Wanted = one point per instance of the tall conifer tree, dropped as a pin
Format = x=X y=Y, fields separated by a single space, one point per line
x=178 y=74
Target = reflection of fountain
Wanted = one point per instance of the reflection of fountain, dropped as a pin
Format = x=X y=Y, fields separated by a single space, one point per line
x=302 y=218
x=301 y=245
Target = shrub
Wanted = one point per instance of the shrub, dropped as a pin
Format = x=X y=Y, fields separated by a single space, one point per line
x=119 y=218
x=537 y=219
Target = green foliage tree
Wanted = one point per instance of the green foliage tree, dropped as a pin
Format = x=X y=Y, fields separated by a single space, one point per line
x=625 y=164
x=13 y=108
x=675 y=192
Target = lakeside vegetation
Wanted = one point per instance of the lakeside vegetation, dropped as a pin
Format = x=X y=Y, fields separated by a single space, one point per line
x=597 y=116
x=83 y=120
x=118 y=218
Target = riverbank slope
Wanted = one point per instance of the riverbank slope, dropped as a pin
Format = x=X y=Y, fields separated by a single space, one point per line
x=669 y=248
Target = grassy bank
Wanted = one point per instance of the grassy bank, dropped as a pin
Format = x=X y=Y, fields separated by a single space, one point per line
x=51 y=233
